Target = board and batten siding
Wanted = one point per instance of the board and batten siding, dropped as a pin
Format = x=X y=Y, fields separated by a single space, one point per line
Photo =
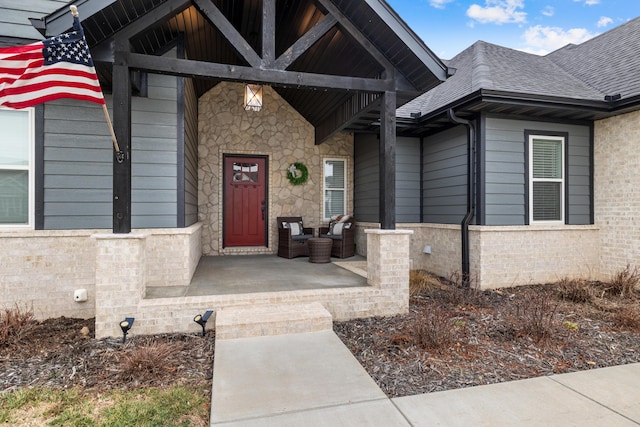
x=78 y=169
x=15 y=14
x=190 y=154
x=504 y=174
x=367 y=179
x=445 y=176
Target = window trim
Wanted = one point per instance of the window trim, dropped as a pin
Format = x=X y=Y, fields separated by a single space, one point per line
x=344 y=160
x=563 y=139
x=31 y=116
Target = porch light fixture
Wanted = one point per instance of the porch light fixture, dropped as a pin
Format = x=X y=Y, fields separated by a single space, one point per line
x=253 y=97
x=201 y=319
x=125 y=325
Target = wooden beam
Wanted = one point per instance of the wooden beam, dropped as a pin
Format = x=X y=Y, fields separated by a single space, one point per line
x=104 y=51
x=268 y=33
x=294 y=79
x=305 y=42
x=122 y=128
x=217 y=19
x=350 y=111
x=357 y=35
x=388 y=162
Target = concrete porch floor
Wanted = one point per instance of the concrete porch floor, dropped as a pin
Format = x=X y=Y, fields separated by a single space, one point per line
x=242 y=274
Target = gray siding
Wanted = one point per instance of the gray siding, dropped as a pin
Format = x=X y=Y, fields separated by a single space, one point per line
x=15 y=14
x=78 y=161
x=445 y=176
x=504 y=171
x=367 y=179
x=191 y=154
x=408 y=180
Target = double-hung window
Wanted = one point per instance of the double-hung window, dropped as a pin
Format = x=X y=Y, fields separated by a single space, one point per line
x=16 y=162
x=335 y=187
x=546 y=178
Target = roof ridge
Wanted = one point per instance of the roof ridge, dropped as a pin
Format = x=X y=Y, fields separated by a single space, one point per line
x=481 y=76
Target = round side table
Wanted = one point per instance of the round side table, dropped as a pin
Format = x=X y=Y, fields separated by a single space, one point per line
x=319 y=249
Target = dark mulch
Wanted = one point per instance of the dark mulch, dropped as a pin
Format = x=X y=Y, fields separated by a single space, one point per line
x=451 y=338
x=454 y=338
x=56 y=353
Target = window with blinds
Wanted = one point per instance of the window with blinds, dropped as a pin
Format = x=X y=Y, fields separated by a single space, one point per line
x=16 y=160
x=546 y=189
x=335 y=187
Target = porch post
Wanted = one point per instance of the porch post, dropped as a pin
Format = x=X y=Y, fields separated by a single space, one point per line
x=122 y=128
x=388 y=161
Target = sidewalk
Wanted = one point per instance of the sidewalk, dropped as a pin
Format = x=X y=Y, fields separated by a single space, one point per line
x=313 y=380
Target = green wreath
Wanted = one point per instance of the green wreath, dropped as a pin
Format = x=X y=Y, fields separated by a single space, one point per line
x=297 y=173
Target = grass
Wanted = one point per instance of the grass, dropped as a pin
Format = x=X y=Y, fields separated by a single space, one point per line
x=173 y=406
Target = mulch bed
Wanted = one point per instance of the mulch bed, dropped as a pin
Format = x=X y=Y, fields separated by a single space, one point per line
x=454 y=338
x=451 y=338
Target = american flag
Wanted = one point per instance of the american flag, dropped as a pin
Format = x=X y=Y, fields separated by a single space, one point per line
x=58 y=67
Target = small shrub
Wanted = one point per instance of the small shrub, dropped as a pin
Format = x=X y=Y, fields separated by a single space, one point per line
x=625 y=282
x=14 y=323
x=627 y=318
x=572 y=326
x=535 y=316
x=434 y=330
x=148 y=360
x=421 y=281
x=575 y=290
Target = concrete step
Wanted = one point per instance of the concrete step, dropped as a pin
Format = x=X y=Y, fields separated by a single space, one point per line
x=271 y=319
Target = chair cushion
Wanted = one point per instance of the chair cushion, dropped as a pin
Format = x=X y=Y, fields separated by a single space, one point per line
x=296 y=227
x=301 y=237
x=332 y=236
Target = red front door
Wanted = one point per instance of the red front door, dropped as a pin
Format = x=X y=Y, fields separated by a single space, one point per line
x=245 y=201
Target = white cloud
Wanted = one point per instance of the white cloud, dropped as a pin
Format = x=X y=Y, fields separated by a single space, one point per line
x=588 y=2
x=548 y=11
x=604 y=21
x=498 y=12
x=439 y=4
x=542 y=40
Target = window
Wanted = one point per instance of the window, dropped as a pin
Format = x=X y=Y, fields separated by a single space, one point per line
x=16 y=160
x=546 y=180
x=335 y=190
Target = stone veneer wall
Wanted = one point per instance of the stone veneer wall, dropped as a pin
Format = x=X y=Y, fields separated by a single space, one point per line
x=617 y=191
x=40 y=270
x=503 y=256
x=277 y=131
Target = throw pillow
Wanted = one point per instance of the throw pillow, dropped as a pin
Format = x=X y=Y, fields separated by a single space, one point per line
x=296 y=228
x=337 y=229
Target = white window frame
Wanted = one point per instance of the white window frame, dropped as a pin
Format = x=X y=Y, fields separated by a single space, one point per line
x=562 y=140
x=30 y=171
x=325 y=189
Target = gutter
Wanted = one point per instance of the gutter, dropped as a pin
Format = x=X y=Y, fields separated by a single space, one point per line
x=464 y=225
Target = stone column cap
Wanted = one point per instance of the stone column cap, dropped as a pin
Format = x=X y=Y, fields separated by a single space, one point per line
x=118 y=236
x=387 y=232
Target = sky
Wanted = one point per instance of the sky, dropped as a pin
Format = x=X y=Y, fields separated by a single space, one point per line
x=535 y=26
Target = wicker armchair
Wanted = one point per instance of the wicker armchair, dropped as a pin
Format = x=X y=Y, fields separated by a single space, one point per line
x=344 y=243
x=291 y=246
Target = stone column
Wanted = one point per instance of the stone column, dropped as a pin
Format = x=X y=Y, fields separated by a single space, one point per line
x=120 y=279
x=388 y=263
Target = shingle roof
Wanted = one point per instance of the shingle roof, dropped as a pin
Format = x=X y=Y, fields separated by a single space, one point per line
x=609 y=62
x=605 y=65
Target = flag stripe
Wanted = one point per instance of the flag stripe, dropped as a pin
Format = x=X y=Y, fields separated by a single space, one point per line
x=59 y=67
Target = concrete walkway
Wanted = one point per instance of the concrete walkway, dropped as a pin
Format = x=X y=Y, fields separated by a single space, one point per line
x=311 y=379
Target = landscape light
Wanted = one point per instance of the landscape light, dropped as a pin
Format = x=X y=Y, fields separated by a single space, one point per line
x=201 y=319
x=125 y=325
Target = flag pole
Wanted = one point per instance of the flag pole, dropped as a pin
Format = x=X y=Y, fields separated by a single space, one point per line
x=119 y=154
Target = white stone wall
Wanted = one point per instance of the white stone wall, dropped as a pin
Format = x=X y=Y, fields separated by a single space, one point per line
x=40 y=270
x=617 y=190
x=522 y=255
x=503 y=256
x=277 y=131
